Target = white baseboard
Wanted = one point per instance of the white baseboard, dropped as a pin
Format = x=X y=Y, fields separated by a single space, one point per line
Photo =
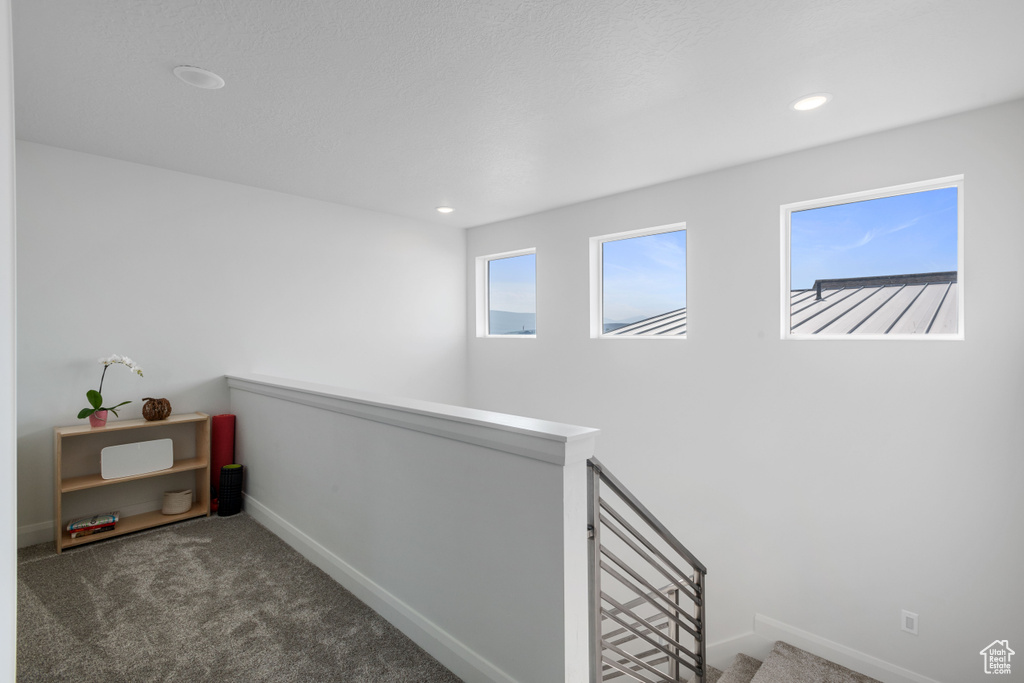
x=34 y=534
x=772 y=630
x=457 y=657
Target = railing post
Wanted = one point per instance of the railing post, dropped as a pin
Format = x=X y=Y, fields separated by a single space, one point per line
x=702 y=645
x=676 y=632
x=594 y=529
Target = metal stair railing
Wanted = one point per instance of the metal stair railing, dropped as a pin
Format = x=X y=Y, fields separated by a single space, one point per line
x=642 y=628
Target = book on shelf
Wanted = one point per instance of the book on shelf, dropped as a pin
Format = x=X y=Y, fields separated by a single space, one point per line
x=94 y=521
x=94 y=526
x=89 y=531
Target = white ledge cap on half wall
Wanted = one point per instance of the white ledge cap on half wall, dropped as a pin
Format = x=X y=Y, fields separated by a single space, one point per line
x=553 y=442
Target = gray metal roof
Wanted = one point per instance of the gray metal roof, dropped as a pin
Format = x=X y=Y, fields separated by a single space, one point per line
x=671 y=324
x=922 y=303
x=917 y=303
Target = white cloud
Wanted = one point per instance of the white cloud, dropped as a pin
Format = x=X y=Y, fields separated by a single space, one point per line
x=877 y=232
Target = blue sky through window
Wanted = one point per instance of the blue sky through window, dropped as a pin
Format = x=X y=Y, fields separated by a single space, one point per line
x=643 y=276
x=901 y=234
x=512 y=295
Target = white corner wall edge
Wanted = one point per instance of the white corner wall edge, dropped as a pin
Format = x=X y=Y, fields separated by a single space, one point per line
x=772 y=630
x=8 y=355
x=551 y=442
x=722 y=653
x=453 y=654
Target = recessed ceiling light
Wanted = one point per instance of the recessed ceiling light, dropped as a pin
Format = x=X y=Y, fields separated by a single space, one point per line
x=444 y=209
x=200 y=78
x=811 y=101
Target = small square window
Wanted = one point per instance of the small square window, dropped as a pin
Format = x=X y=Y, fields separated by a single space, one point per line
x=507 y=294
x=639 y=283
x=885 y=264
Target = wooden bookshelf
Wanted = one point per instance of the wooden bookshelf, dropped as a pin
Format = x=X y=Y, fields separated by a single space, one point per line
x=88 y=437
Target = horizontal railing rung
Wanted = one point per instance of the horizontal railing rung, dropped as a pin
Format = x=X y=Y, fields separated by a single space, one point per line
x=611 y=635
x=639 y=551
x=671 y=618
x=638 y=507
x=669 y=642
x=638 y=664
x=610 y=674
x=653 y=662
x=637 y=601
x=668 y=657
x=625 y=671
x=666 y=651
x=647 y=544
x=647 y=653
x=662 y=595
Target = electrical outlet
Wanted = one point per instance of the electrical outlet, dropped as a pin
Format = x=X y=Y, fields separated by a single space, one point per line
x=909 y=622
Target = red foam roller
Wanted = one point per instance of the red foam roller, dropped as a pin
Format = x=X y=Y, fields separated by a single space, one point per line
x=222 y=447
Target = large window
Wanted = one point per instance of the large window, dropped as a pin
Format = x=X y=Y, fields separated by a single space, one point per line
x=638 y=283
x=885 y=264
x=507 y=294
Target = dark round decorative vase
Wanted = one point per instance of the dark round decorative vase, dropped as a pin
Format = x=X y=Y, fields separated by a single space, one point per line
x=156 y=409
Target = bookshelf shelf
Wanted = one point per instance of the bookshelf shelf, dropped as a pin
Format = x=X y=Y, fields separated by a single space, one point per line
x=127 y=525
x=86 y=437
x=89 y=481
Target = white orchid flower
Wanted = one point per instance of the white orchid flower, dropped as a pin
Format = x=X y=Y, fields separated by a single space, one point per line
x=96 y=397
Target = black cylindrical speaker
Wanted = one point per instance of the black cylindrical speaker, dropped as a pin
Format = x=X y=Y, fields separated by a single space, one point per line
x=230 y=490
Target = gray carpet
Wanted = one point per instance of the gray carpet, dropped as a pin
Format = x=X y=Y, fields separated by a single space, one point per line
x=788 y=664
x=714 y=675
x=214 y=599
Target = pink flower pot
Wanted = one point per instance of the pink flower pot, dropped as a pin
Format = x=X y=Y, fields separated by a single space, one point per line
x=98 y=419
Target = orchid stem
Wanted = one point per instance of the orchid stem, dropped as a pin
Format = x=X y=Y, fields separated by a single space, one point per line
x=101 y=378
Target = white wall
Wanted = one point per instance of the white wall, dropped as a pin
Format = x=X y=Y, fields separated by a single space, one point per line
x=195 y=278
x=8 y=394
x=825 y=485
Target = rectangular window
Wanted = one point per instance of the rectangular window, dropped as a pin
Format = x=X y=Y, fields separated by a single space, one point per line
x=638 y=283
x=884 y=264
x=507 y=294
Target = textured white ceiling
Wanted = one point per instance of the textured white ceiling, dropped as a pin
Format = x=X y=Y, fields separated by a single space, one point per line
x=498 y=107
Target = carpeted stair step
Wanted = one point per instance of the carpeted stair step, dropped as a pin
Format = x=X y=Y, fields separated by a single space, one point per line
x=742 y=670
x=788 y=664
x=714 y=675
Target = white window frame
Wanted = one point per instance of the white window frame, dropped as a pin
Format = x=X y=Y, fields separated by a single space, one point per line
x=786 y=211
x=597 y=278
x=483 y=303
